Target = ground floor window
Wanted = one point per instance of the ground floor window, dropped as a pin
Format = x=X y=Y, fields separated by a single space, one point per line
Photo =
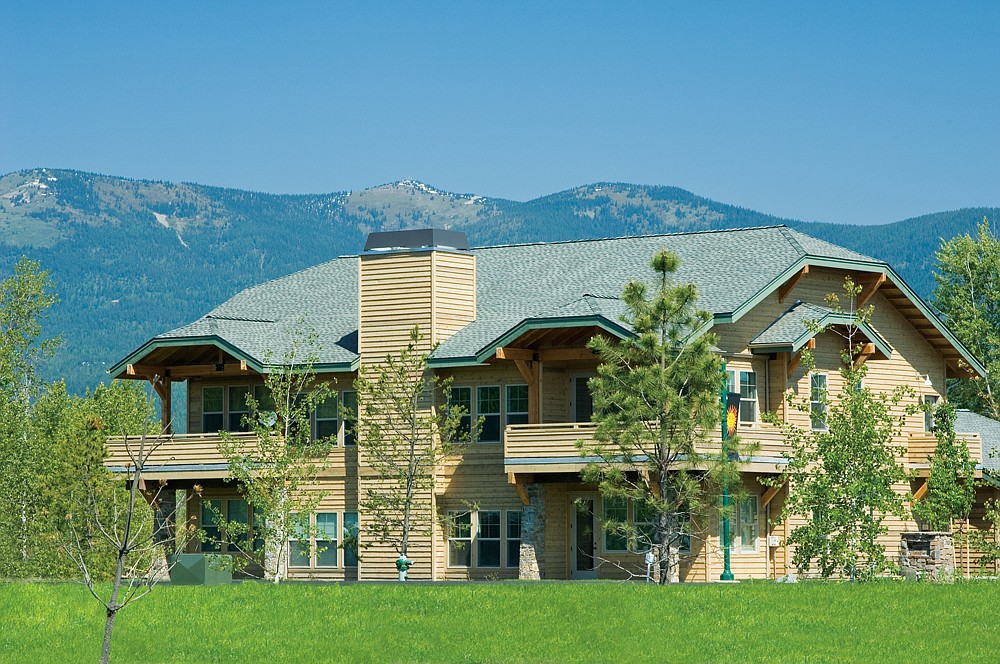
x=644 y=524
x=229 y=526
x=488 y=539
x=460 y=539
x=744 y=528
x=484 y=538
x=615 y=512
x=317 y=541
x=513 y=538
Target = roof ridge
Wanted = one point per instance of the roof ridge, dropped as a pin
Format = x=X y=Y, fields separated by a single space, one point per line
x=707 y=231
x=792 y=241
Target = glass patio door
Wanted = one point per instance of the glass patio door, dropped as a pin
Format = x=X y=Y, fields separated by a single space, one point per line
x=583 y=537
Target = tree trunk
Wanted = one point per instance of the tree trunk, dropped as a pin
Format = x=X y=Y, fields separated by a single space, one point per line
x=109 y=625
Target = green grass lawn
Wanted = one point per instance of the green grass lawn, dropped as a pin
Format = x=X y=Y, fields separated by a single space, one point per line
x=497 y=622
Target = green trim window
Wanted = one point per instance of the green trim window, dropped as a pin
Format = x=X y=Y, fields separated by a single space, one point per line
x=643 y=519
x=213 y=409
x=513 y=538
x=237 y=511
x=817 y=401
x=327 y=536
x=238 y=407
x=316 y=542
x=350 y=425
x=462 y=397
x=744 y=382
x=299 y=549
x=351 y=532
x=326 y=419
x=930 y=402
x=615 y=509
x=488 y=538
x=210 y=509
x=517 y=404
x=748 y=397
x=460 y=539
x=488 y=409
x=744 y=526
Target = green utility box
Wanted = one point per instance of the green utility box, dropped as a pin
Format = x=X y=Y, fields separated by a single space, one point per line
x=200 y=569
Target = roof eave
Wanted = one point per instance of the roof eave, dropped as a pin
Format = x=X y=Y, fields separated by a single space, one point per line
x=232 y=349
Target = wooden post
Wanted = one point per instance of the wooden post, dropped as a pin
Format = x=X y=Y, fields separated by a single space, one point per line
x=162 y=387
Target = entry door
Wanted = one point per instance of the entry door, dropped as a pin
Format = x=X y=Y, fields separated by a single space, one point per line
x=583 y=537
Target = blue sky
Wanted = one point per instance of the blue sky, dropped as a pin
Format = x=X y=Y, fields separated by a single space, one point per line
x=820 y=111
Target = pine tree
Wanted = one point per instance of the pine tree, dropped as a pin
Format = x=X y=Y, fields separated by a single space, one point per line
x=656 y=406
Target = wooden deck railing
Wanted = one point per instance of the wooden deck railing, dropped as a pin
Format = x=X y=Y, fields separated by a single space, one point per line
x=554 y=446
x=189 y=454
x=920 y=448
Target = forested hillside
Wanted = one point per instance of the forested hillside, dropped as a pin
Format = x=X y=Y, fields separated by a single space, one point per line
x=134 y=258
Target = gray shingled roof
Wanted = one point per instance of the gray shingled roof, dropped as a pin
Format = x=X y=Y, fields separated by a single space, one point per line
x=791 y=325
x=558 y=280
x=262 y=321
x=989 y=431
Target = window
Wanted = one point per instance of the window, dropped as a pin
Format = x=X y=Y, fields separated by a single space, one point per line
x=316 y=541
x=244 y=539
x=817 y=401
x=236 y=512
x=327 y=419
x=517 y=404
x=743 y=526
x=748 y=525
x=684 y=544
x=615 y=512
x=212 y=409
x=265 y=402
x=488 y=409
x=514 y=538
x=351 y=531
x=488 y=539
x=930 y=402
x=351 y=424
x=298 y=542
x=748 y=396
x=461 y=397
x=326 y=539
x=258 y=533
x=744 y=382
x=460 y=539
x=238 y=408
x=642 y=518
x=210 y=509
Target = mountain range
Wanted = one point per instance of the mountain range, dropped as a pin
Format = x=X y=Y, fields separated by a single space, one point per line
x=133 y=258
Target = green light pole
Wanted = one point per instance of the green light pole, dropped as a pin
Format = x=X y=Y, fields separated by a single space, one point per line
x=727 y=573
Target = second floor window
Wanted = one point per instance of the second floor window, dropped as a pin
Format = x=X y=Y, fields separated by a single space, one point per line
x=930 y=402
x=817 y=401
x=745 y=382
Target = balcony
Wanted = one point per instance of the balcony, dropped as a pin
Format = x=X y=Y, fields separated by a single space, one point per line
x=176 y=456
x=920 y=448
x=551 y=448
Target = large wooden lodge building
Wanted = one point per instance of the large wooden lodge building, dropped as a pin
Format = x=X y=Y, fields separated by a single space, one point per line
x=510 y=325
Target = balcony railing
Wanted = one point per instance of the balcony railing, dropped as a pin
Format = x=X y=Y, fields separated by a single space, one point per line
x=194 y=455
x=552 y=447
x=920 y=448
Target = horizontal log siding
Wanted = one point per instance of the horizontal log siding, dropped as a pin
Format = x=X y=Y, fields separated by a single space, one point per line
x=395 y=293
x=454 y=296
x=475 y=481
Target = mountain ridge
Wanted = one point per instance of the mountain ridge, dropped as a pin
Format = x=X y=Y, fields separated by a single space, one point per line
x=135 y=257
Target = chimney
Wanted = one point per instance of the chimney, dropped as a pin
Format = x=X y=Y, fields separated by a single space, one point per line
x=424 y=277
